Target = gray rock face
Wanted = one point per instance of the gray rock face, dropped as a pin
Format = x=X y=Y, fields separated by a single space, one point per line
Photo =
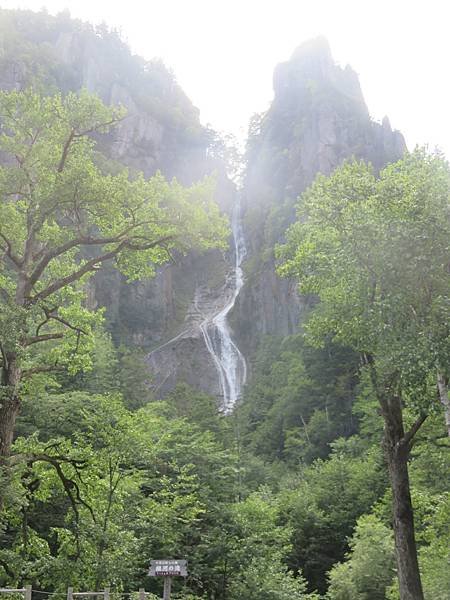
x=186 y=360
x=317 y=119
x=147 y=139
x=185 y=357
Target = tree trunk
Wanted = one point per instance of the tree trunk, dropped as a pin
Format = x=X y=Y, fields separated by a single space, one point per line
x=397 y=452
x=9 y=405
x=442 y=383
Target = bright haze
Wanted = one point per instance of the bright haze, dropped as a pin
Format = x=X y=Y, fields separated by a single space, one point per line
x=223 y=52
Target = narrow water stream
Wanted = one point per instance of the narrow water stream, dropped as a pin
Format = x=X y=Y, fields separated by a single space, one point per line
x=228 y=359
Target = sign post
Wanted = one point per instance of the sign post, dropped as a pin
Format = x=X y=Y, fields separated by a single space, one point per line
x=167 y=587
x=168 y=568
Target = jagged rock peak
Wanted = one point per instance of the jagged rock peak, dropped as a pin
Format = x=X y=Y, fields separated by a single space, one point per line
x=316 y=51
x=318 y=118
x=386 y=124
x=312 y=69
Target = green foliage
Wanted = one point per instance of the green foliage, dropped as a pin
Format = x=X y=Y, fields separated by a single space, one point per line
x=247 y=546
x=430 y=469
x=369 y=568
x=140 y=478
x=195 y=406
x=62 y=219
x=375 y=251
x=157 y=482
x=266 y=580
x=299 y=399
x=103 y=377
x=435 y=555
x=134 y=378
x=324 y=504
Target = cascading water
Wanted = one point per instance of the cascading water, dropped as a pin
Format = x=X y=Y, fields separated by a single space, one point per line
x=228 y=359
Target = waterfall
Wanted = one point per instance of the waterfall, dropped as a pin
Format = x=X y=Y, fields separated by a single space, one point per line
x=228 y=359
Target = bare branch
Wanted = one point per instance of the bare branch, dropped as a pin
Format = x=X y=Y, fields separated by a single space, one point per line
x=99 y=126
x=65 y=152
x=74 y=135
x=92 y=265
x=9 y=252
x=148 y=246
x=70 y=486
x=409 y=435
x=44 y=338
x=46 y=320
x=50 y=315
x=89 y=266
x=44 y=369
x=4 y=357
x=79 y=241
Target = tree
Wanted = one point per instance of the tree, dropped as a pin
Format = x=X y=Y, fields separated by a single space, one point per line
x=299 y=399
x=369 y=569
x=323 y=507
x=435 y=556
x=62 y=218
x=154 y=482
x=375 y=252
x=247 y=547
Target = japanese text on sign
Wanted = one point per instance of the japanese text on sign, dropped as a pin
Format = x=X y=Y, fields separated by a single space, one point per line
x=169 y=567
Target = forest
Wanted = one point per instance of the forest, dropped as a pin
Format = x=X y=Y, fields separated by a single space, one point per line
x=329 y=479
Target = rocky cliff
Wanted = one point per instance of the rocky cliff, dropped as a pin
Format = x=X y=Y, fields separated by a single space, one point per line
x=162 y=130
x=317 y=119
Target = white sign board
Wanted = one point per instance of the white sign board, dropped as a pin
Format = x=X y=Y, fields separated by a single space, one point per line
x=168 y=567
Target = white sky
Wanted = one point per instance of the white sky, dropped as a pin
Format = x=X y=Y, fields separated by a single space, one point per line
x=223 y=52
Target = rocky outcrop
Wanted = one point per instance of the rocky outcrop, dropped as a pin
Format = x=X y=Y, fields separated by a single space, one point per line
x=185 y=356
x=317 y=119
